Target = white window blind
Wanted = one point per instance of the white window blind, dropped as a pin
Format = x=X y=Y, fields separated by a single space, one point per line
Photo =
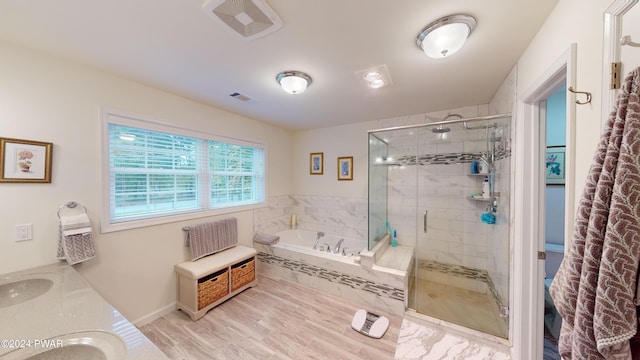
x=162 y=173
x=238 y=174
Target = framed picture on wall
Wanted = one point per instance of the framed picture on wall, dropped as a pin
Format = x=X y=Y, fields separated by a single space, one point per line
x=316 y=163
x=345 y=168
x=555 y=169
x=25 y=161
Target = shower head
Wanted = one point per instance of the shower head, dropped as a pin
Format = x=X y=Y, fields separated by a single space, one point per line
x=440 y=130
x=453 y=115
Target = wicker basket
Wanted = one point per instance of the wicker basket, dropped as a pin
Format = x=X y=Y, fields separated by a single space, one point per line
x=243 y=273
x=212 y=287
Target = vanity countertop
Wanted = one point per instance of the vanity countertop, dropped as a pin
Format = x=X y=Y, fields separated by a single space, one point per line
x=69 y=310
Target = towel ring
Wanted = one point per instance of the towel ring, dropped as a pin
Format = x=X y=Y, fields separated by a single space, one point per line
x=70 y=205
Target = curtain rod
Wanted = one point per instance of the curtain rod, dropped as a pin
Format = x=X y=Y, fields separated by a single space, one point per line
x=445 y=122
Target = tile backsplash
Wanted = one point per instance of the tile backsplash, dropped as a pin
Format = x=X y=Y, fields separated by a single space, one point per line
x=334 y=215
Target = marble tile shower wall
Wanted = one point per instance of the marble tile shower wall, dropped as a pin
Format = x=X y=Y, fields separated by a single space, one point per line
x=403 y=187
x=455 y=234
x=502 y=102
x=499 y=235
x=331 y=214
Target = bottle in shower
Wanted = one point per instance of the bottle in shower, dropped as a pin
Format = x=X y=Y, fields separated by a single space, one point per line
x=486 y=189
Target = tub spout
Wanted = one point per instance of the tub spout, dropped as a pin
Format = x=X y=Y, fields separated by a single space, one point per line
x=319 y=234
x=337 y=248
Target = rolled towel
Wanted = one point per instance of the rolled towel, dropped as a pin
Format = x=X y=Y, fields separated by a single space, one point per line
x=266 y=239
x=75 y=224
x=74 y=221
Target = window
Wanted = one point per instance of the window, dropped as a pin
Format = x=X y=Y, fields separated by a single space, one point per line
x=156 y=170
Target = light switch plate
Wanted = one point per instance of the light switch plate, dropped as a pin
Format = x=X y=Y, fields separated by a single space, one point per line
x=24 y=232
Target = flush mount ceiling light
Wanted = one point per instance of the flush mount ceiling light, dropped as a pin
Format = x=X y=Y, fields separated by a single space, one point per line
x=293 y=82
x=445 y=36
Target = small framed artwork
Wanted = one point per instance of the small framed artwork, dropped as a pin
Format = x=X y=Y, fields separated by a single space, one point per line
x=316 y=163
x=25 y=161
x=345 y=168
x=555 y=169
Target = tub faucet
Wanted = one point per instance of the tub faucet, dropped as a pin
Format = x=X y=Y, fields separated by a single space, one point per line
x=337 y=248
x=320 y=234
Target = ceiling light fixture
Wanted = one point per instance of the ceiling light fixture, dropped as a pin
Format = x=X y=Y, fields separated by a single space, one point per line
x=445 y=36
x=376 y=84
x=375 y=77
x=293 y=82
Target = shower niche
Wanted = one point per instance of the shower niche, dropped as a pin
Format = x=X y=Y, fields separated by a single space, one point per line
x=426 y=185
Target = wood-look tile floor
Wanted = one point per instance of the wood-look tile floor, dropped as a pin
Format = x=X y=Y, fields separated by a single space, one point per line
x=277 y=319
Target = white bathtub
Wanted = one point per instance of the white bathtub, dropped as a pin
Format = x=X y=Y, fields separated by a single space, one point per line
x=303 y=241
x=294 y=259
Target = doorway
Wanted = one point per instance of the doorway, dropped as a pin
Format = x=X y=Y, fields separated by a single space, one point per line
x=553 y=120
x=531 y=139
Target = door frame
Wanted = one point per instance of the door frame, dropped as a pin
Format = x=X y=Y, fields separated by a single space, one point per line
x=529 y=182
x=611 y=51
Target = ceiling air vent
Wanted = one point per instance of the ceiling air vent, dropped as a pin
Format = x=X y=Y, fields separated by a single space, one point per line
x=237 y=95
x=250 y=19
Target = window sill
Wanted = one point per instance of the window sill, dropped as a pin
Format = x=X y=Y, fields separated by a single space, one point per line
x=107 y=227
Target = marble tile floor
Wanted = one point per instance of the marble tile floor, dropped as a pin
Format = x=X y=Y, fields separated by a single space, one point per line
x=423 y=342
x=459 y=306
x=277 y=319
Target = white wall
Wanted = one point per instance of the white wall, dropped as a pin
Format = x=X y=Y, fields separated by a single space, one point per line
x=47 y=99
x=572 y=21
x=334 y=142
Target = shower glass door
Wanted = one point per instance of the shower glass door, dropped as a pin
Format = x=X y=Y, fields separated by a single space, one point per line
x=422 y=187
x=378 y=179
x=462 y=246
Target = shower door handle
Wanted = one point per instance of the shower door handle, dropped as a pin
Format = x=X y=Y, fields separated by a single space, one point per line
x=425 y=220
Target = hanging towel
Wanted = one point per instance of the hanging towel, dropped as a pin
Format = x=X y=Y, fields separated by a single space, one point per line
x=75 y=224
x=75 y=239
x=266 y=239
x=595 y=286
x=211 y=237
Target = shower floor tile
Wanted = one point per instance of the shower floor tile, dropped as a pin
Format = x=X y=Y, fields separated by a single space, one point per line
x=463 y=307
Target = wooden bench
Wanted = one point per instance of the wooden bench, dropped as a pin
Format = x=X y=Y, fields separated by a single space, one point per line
x=209 y=281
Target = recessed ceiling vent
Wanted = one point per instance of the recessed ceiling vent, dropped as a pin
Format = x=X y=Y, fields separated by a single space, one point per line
x=250 y=19
x=237 y=95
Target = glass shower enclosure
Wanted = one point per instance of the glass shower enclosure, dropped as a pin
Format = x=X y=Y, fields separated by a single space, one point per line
x=444 y=189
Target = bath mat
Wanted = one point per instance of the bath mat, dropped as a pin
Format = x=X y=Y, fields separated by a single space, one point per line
x=369 y=324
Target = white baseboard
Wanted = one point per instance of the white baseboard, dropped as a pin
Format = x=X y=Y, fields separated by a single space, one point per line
x=155 y=315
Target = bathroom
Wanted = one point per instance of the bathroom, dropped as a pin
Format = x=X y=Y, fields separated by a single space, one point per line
x=46 y=98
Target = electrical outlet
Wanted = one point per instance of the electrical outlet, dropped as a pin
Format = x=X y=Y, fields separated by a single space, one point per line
x=24 y=232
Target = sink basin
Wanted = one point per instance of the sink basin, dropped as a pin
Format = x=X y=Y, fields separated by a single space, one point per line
x=18 y=291
x=94 y=345
x=75 y=351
